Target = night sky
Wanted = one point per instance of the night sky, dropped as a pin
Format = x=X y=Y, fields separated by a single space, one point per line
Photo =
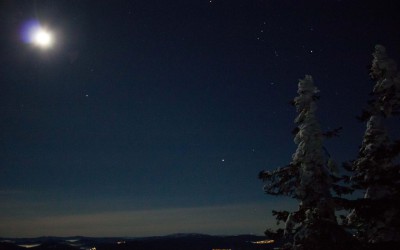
x=155 y=117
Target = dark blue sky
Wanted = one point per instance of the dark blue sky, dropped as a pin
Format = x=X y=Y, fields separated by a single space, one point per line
x=155 y=117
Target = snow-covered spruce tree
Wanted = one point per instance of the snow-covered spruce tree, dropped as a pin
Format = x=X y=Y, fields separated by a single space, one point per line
x=376 y=218
x=308 y=179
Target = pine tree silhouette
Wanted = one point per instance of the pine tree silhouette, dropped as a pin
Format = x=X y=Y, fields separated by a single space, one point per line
x=376 y=217
x=309 y=179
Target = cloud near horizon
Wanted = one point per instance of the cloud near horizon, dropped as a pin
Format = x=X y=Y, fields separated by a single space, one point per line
x=219 y=220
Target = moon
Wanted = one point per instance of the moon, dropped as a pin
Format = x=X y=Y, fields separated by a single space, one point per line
x=35 y=33
x=42 y=38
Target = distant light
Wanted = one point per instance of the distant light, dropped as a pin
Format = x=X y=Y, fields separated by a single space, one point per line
x=263 y=242
x=29 y=245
